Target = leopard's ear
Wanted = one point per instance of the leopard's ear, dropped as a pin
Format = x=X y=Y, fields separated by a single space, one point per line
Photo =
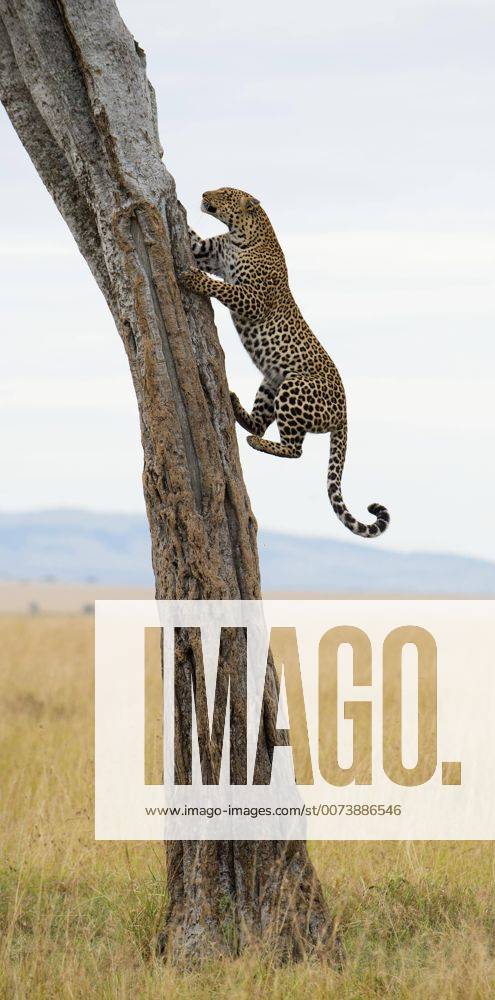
x=250 y=203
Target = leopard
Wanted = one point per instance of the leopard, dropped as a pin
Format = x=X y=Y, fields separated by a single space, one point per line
x=301 y=388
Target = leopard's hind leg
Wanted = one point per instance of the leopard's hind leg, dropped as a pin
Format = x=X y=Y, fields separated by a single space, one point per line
x=263 y=413
x=300 y=407
x=290 y=422
x=289 y=448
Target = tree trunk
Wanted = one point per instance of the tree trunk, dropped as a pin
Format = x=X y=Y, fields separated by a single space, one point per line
x=73 y=82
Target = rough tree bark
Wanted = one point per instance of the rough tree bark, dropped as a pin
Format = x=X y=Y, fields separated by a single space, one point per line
x=73 y=82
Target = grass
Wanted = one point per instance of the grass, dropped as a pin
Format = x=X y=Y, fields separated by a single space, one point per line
x=78 y=919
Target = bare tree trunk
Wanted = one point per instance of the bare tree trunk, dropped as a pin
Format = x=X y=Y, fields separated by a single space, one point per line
x=73 y=82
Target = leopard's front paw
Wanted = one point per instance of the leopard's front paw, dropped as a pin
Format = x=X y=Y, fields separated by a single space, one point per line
x=191 y=281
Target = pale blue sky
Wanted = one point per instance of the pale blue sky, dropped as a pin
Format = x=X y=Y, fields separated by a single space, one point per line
x=367 y=132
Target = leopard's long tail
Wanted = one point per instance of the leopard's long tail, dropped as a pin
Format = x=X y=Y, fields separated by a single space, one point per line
x=338 y=444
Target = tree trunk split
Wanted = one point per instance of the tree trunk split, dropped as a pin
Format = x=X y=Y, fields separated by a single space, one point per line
x=73 y=82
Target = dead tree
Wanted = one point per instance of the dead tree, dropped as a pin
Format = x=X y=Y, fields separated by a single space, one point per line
x=74 y=84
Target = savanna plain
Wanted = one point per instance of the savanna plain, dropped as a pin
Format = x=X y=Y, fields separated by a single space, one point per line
x=80 y=919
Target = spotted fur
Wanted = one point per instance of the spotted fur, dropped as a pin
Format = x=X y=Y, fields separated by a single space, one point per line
x=301 y=387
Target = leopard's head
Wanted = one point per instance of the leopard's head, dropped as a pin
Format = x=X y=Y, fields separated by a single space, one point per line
x=236 y=209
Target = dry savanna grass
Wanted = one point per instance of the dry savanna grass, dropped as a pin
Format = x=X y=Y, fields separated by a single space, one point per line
x=79 y=918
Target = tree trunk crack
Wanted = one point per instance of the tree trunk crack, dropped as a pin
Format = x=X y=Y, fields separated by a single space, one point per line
x=190 y=450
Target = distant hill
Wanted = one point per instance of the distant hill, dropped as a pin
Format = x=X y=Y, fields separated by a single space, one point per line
x=75 y=546
x=78 y=545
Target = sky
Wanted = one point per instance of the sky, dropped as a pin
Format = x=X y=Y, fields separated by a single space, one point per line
x=366 y=130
